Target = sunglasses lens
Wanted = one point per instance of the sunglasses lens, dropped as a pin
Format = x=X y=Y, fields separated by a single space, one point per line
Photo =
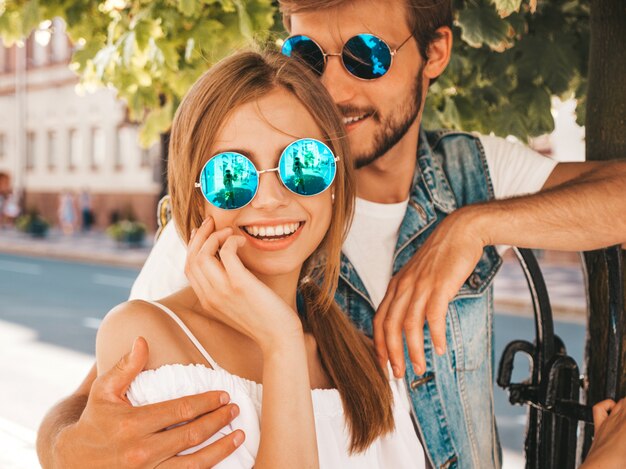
x=366 y=56
x=305 y=49
x=307 y=167
x=229 y=181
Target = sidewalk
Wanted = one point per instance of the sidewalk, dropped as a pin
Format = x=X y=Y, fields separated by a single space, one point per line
x=564 y=278
x=93 y=246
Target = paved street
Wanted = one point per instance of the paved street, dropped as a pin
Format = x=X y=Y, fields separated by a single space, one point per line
x=49 y=314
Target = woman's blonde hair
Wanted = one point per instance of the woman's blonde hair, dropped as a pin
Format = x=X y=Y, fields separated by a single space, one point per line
x=346 y=354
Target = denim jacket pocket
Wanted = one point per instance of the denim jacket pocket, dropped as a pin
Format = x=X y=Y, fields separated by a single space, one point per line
x=469 y=314
x=483 y=274
x=470 y=332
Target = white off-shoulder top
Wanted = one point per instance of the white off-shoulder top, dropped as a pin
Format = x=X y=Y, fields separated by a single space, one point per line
x=398 y=450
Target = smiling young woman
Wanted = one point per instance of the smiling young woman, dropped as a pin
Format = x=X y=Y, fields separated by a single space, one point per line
x=262 y=192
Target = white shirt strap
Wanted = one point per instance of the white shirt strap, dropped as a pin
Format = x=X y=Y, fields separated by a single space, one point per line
x=187 y=332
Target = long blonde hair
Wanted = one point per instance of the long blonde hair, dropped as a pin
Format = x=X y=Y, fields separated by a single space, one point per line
x=345 y=353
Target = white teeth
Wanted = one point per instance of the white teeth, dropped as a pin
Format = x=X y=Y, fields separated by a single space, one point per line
x=271 y=231
x=350 y=120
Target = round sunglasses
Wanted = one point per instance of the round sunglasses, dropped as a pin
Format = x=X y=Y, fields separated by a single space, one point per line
x=229 y=180
x=364 y=56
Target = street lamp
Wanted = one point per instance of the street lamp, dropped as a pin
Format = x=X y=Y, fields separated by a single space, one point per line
x=42 y=36
x=20 y=135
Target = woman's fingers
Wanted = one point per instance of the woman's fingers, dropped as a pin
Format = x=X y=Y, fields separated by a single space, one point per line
x=198 y=237
x=204 y=270
x=208 y=262
x=601 y=412
x=230 y=259
x=214 y=241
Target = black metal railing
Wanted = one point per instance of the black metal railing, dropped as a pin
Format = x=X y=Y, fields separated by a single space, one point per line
x=552 y=390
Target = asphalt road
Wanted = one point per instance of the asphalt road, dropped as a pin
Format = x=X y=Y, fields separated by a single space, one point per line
x=49 y=314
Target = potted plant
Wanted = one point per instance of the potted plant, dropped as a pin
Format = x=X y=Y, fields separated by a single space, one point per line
x=33 y=224
x=127 y=232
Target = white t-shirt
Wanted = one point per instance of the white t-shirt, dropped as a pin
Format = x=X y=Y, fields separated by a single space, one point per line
x=514 y=168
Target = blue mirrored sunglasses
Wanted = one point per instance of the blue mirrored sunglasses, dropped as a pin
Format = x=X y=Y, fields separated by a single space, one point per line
x=229 y=180
x=364 y=56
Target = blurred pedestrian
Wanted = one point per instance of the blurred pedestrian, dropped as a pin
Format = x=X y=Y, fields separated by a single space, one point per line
x=10 y=208
x=3 y=199
x=86 y=210
x=5 y=190
x=67 y=212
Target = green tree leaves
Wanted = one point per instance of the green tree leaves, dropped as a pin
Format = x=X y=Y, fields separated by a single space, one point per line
x=151 y=52
x=507 y=62
x=508 y=59
x=481 y=25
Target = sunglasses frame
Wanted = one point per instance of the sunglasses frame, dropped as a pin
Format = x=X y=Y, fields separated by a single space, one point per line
x=271 y=170
x=392 y=52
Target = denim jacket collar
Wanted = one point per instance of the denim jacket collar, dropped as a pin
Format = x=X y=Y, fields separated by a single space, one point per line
x=430 y=191
x=431 y=173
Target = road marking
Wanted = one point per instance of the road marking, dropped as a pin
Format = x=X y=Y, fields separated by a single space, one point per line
x=92 y=323
x=511 y=420
x=113 y=280
x=25 y=435
x=20 y=268
x=512 y=459
x=17 y=446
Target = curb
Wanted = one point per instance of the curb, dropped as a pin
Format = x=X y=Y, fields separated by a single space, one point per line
x=128 y=259
x=560 y=311
x=136 y=258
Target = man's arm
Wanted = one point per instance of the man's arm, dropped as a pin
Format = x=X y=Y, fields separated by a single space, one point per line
x=582 y=207
x=608 y=450
x=99 y=427
x=63 y=414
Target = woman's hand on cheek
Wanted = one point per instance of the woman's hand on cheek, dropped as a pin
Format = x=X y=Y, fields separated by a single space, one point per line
x=228 y=291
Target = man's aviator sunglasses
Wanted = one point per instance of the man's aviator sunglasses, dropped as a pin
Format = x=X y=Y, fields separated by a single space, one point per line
x=229 y=180
x=364 y=56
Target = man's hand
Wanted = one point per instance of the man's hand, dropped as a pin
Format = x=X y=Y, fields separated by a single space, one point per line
x=422 y=289
x=113 y=433
x=608 y=450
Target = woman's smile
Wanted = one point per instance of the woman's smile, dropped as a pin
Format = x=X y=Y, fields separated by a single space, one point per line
x=272 y=235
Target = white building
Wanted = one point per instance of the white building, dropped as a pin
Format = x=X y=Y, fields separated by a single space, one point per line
x=52 y=138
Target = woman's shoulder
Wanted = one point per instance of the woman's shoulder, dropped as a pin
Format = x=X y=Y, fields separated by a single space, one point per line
x=134 y=316
x=129 y=320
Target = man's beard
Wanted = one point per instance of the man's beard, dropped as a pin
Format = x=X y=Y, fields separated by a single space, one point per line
x=392 y=129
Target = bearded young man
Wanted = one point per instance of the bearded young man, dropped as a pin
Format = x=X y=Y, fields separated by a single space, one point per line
x=431 y=207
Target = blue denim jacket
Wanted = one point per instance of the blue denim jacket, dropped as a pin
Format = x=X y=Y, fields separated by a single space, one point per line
x=453 y=400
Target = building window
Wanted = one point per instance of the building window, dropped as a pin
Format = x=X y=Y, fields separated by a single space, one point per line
x=3 y=58
x=145 y=157
x=3 y=146
x=97 y=148
x=59 y=42
x=117 y=157
x=126 y=150
x=30 y=150
x=9 y=59
x=74 y=149
x=40 y=51
x=30 y=52
x=52 y=149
